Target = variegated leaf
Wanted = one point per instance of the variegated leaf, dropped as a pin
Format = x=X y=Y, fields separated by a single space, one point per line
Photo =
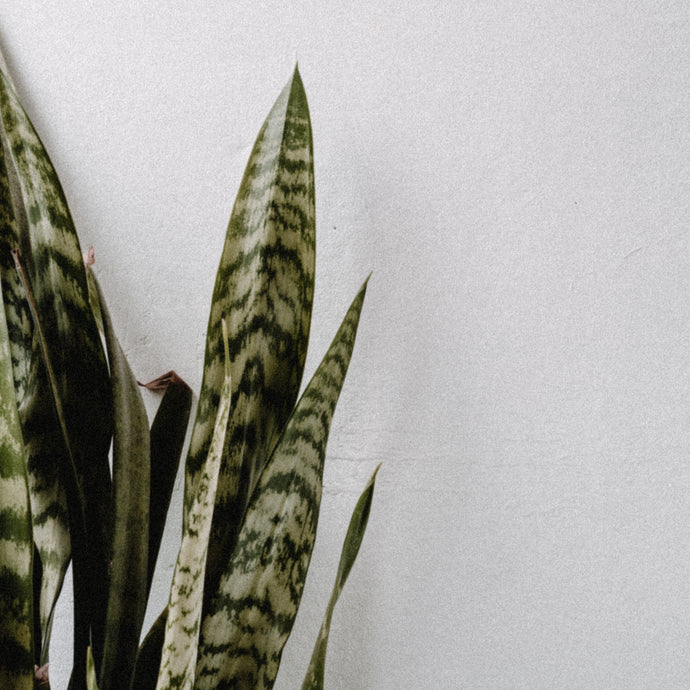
x=52 y=258
x=42 y=437
x=131 y=480
x=264 y=290
x=178 y=662
x=16 y=542
x=353 y=540
x=252 y=613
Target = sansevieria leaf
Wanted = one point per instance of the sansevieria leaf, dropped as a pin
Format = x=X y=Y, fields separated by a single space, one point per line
x=53 y=263
x=167 y=439
x=42 y=438
x=16 y=541
x=131 y=479
x=178 y=661
x=252 y=613
x=353 y=540
x=168 y=432
x=264 y=291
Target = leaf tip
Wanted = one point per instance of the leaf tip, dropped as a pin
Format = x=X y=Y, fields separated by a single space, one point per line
x=295 y=86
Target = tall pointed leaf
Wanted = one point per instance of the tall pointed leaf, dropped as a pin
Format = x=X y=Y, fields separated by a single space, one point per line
x=253 y=610
x=353 y=540
x=131 y=478
x=69 y=478
x=264 y=290
x=41 y=433
x=178 y=662
x=53 y=261
x=16 y=542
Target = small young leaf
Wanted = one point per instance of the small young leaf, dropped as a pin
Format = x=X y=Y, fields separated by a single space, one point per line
x=353 y=540
x=91 y=680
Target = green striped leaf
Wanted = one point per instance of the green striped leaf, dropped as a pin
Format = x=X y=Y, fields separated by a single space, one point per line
x=131 y=478
x=178 y=662
x=43 y=446
x=353 y=540
x=54 y=263
x=68 y=476
x=252 y=613
x=16 y=541
x=52 y=258
x=12 y=229
x=264 y=290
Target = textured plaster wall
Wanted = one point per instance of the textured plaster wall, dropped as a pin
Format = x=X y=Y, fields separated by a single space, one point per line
x=516 y=175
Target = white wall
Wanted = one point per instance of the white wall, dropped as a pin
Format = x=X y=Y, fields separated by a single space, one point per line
x=516 y=175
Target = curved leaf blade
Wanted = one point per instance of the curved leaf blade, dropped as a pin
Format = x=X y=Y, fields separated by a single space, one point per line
x=40 y=430
x=353 y=540
x=264 y=290
x=253 y=610
x=51 y=251
x=57 y=274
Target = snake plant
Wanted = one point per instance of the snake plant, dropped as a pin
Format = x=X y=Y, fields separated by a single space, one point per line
x=85 y=480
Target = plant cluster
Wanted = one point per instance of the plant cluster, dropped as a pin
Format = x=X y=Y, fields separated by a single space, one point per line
x=253 y=469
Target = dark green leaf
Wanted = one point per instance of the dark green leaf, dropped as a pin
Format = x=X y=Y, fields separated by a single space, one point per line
x=149 y=657
x=131 y=476
x=167 y=439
